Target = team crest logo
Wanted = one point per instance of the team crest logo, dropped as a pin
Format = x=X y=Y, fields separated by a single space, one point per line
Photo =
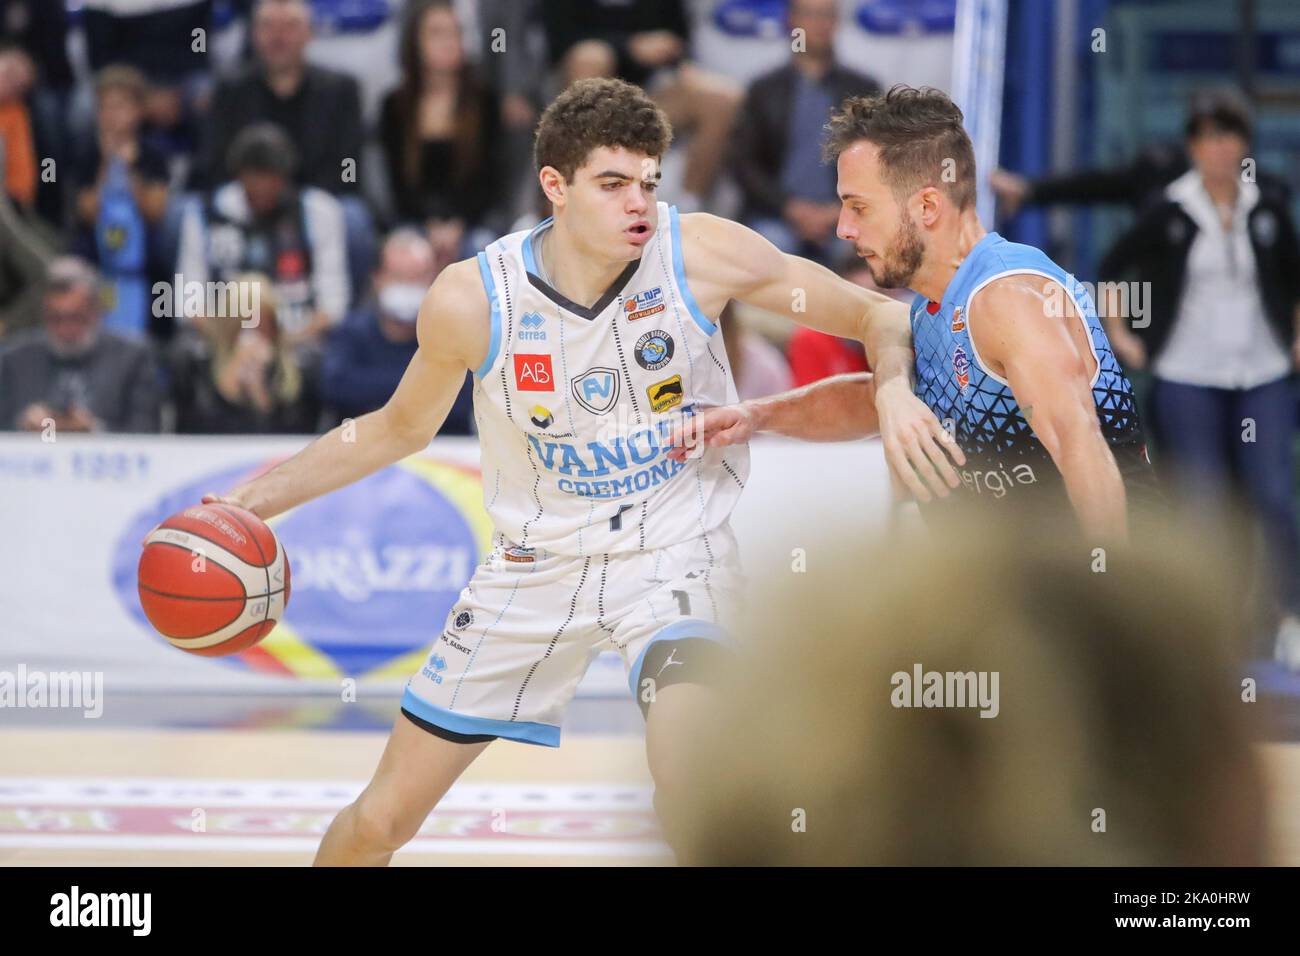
x=961 y=367
x=533 y=373
x=541 y=416
x=464 y=619
x=650 y=302
x=596 y=390
x=957 y=324
x=530 y=328
x=666 y=394
x=654 y=350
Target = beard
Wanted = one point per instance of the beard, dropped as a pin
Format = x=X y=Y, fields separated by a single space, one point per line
x=898 y=263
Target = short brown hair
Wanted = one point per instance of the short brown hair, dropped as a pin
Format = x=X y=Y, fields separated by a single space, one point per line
x=918 y=132
x=120 y=76
x=594 y=113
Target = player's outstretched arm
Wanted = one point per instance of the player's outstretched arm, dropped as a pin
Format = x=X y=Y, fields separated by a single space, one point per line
x=1018 y=337
x=736 y=262
x=453 y=333
x=839 y=408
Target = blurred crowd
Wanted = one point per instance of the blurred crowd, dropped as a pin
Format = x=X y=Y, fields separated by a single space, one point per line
x=170 y=166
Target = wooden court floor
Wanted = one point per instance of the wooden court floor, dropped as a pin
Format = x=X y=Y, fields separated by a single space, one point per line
x=221 y=798
x=137 y=797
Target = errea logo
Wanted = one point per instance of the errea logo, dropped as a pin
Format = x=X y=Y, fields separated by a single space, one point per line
x=530 y=328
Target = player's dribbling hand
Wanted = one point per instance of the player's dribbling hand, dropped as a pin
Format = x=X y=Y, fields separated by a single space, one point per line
x=711 y=428
x=917 y=447
x=211 y=499
x=208 y=499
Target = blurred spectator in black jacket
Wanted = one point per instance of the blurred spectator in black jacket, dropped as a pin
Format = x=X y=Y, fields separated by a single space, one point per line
x=440 y=131
x=263 y=223
x=1132 y=184
x=157 y=38
x=1218 y=333
x=72 y=374
x=646 y=42
x=367 y=355
x=245 y=379
x=319 y=109
x=513 y=60
x=790 y=194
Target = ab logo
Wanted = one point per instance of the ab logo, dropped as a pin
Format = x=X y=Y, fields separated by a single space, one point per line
x=533 y=373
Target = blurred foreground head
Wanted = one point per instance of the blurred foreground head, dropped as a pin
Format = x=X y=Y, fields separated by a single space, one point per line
x=1115 y=734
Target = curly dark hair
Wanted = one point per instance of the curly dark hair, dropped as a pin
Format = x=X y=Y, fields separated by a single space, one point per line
x=594 y=113
x=921 y=139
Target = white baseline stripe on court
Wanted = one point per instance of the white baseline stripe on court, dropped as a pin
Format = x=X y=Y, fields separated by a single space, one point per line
x=55 y=841
x=233 y=792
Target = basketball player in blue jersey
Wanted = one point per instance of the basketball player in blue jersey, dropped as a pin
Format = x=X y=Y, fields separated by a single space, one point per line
x=1009 y=350
x=590 y=338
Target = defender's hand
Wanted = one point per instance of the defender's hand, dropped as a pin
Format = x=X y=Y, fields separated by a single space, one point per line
x=711 y=428
x=916 y=446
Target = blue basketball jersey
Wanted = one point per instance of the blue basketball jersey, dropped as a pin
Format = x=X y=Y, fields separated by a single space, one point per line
x=1005 y=461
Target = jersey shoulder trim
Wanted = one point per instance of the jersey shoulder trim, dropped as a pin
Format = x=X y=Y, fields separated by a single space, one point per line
x=1015 y=271
x=679 y=275
x=526 y=244
x=494 y=315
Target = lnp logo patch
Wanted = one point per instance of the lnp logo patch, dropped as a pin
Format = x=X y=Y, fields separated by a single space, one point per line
x=961 y=367
x=596 y=390
x=530 y=328
x=650 y=302
x=533 y=373
x=654 y=350
x=666 y=394
x=541 y=416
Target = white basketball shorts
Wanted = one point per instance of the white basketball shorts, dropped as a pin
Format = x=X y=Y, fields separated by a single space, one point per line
x=529 y=623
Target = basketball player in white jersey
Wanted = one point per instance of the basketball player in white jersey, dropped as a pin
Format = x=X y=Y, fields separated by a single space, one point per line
x=589 y=338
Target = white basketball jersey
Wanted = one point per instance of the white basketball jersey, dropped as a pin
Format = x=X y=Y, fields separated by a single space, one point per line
x=574 y=405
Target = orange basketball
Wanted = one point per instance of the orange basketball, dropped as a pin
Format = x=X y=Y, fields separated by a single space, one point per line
x=213 y=579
